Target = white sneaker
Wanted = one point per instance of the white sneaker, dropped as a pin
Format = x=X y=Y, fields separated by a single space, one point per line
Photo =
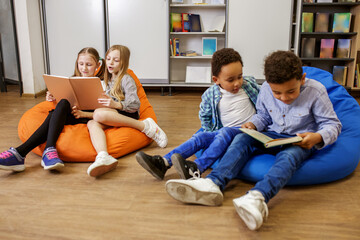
x=195 y=190
x=252 y=209
x=103 y=163
x=153 y=131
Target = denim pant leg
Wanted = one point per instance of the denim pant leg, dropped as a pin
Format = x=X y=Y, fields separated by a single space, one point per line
x=238 y=153
x=288 y=160
x=217 y=148
x=197 y=142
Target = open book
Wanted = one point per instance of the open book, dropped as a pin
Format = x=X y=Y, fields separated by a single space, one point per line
x=82 y=92
x=268 y=141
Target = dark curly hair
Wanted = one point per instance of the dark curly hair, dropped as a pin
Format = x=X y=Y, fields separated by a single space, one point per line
x=282 y=66
x=223 y=57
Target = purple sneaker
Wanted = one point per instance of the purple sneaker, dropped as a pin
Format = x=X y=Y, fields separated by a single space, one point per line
x=12 y=160
x=50 y=159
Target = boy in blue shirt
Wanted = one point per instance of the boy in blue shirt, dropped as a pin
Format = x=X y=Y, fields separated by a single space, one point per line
x=229 y=102
x=288 y=104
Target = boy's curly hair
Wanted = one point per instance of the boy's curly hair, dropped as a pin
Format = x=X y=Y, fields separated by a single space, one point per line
x=282 y=66
x=223 y=57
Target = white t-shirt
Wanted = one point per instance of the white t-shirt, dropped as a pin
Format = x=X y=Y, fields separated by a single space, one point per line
x=235 y=109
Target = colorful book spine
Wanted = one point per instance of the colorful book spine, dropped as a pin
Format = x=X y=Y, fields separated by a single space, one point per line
x=343 y=48
x=322 y=22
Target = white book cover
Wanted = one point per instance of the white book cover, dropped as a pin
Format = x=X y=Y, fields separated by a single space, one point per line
x=198 y=74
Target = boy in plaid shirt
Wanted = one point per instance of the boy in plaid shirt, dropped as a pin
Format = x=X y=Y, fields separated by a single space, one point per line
x=225 y=106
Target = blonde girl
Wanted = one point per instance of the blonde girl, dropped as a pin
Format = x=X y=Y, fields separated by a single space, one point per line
x=87 y=64
x=121 y=109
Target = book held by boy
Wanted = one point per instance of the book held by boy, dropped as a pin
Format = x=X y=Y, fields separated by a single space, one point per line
x=268 y=141
x=82 y=92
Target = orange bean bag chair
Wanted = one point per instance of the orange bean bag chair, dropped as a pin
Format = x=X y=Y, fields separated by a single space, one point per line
x=74 y=144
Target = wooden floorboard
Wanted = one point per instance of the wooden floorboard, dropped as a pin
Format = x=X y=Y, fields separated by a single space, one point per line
x=129 y=203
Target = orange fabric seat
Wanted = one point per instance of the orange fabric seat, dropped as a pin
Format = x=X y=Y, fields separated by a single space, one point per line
x=74 y=144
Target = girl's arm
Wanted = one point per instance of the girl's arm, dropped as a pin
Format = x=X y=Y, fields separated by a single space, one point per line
x=131 y=103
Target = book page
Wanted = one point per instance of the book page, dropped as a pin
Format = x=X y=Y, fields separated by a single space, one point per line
x=282 y=141
x=60 y=88
x=87 y=91
x=257 y=135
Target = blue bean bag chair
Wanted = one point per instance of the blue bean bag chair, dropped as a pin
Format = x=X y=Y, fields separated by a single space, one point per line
x=331 y=163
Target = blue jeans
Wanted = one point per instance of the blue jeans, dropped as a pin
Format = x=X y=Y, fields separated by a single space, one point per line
x=214 y=143
x=288 y=159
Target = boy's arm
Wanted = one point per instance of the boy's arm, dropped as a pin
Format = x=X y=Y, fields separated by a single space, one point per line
x=262 y=118
x=205 y=114
x=329 y=126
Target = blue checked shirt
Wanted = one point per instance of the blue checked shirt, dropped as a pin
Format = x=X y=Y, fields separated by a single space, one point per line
x=209 y=113
x=311 y=111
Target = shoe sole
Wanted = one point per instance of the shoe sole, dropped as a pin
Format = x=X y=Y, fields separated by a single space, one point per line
x=102 y=169
x=16 y=168
x=253 y=220
x=187 y=194
x=52 y=167
x=148 y=166
x=178 y=163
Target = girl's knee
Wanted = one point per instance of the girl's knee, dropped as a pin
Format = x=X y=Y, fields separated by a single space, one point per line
x=99 y=115
x=63 y=105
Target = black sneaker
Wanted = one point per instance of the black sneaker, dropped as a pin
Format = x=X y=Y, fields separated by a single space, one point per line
x=186 y=169
x=153 y=164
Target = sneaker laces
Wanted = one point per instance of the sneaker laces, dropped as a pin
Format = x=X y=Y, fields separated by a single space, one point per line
x=195 y=173
x=51 y=155
x=5 y=154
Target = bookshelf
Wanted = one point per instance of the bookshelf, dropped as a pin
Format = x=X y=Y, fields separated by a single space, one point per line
x=353 y=34
x=178 y=65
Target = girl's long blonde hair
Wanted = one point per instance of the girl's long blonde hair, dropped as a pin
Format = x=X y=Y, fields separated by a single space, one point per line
x=95 y=55
x=124 y=65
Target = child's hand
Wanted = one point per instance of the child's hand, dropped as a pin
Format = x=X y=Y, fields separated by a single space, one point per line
x=49 y=97
x=77 y=113
x=249 y=125
x=310 y=139
x=107 y=101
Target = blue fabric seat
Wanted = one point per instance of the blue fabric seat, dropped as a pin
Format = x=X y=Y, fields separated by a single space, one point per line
x=331 y=163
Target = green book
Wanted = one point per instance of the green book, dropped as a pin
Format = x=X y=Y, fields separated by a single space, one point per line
x=307 y=22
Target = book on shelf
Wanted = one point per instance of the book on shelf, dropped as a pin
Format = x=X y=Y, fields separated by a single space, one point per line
x=327 y=48
x=171 y=48
x=197 y=1
x=268 y=141
x=175 y=22
x=346 y=0
x=324 y=1
x=189 y=53
x=82 y=92
x=176 y=46
x=343 y=48
x=341 y=22
x=307 y=22
x=340 y=74
x=357 y=76
x=218 y=24
x=195 y=24
x=209 y=46
x=308 y=1
x=308 y=47
x=322 y=22
x=217 y=1
x=185 y=23
x=177 y=1
x=198 y=74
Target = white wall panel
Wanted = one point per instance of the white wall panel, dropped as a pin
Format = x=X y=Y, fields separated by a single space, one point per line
x=256 y=28
x=142 y=26
x=71 y=26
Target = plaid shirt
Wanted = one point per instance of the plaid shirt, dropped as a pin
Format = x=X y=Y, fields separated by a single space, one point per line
x=209 y=114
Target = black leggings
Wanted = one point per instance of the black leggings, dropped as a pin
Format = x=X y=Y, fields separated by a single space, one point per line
x=50 y=129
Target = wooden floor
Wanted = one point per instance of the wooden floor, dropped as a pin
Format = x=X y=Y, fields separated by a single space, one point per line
x=129 y=203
